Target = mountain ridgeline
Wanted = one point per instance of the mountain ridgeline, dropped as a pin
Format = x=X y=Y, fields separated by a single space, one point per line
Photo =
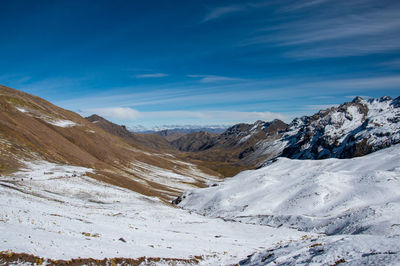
x=34 y=128
x=349 y=130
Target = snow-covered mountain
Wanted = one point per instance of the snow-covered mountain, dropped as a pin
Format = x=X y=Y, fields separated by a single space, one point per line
x=349 y=130
x=179 y=128
x=353 y=204
x=352 y=129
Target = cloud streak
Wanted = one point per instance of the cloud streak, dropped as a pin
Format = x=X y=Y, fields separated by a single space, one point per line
x=222 y=95
x=340 y=29
x=151 y=75
x=122 y=113
x=303 y=4
x=200 y=116
x=218 y=12
x=212 y=78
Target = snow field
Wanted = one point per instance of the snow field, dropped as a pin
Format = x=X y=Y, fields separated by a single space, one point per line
x=354 y=199
x=62 y=214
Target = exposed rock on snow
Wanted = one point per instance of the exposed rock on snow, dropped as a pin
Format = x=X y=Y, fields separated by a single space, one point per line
x=350 y=250
x=349 y=130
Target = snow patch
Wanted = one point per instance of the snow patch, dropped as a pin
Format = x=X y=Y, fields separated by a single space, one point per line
x=61 y=123
x=22 y=110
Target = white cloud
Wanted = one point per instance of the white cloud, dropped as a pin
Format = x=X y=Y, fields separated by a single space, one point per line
x=392 y=63
x=215 y=115
x=121 y=113
x=202 y=116
x=340 y=29
x=387 y=82
x=151 y=75
x=318 y=107
x=218 y=12
x=212 y=78
x=303 y=4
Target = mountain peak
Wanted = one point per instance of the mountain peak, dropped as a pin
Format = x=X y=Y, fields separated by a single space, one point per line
x=95 y=118
x=357 y=99
x=385 y=98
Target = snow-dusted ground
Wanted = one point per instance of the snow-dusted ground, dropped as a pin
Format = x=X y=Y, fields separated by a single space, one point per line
x=22 y=110
x=180 y=180
x=356 y=200
x=331 y=250
x=53 y=121
x=55 y=211
x=61 y=123
x=288 y=212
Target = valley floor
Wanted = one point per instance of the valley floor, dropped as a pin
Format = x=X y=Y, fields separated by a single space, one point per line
x=56 y=212
x=289 y=212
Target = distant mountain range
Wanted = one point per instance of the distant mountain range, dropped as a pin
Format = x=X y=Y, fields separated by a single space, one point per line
x=179 y=128
x=350 y=130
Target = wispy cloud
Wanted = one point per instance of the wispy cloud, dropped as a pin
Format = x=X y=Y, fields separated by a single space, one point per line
x=218 y=12
x=49 y=86
x=340 y=29
x=370 y=24
x=231 y=94
x=151 y=75
x=204 y=116
x=303 y=4
x=212 y=78
x=14 y=79
x=318 y=107
x=384 y=82
x=322 y=97
x=222 y=11
x=122 y=113
x=391 y=63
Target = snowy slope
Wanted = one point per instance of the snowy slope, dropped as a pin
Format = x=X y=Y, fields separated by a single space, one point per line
x=331 y=250
x=359 y=196
x=56 y=211
x=349 y=130
x=330 y=196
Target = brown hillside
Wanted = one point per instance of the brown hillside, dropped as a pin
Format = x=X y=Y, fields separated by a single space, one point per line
x=34 y=129
x=146 y=141
x=170 y=135
x=196 y=141
x=232 y=151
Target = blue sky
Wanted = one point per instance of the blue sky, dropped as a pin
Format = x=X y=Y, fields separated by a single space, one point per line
x=200 y=62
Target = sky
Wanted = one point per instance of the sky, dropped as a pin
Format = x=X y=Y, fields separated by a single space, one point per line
x=154 y=63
